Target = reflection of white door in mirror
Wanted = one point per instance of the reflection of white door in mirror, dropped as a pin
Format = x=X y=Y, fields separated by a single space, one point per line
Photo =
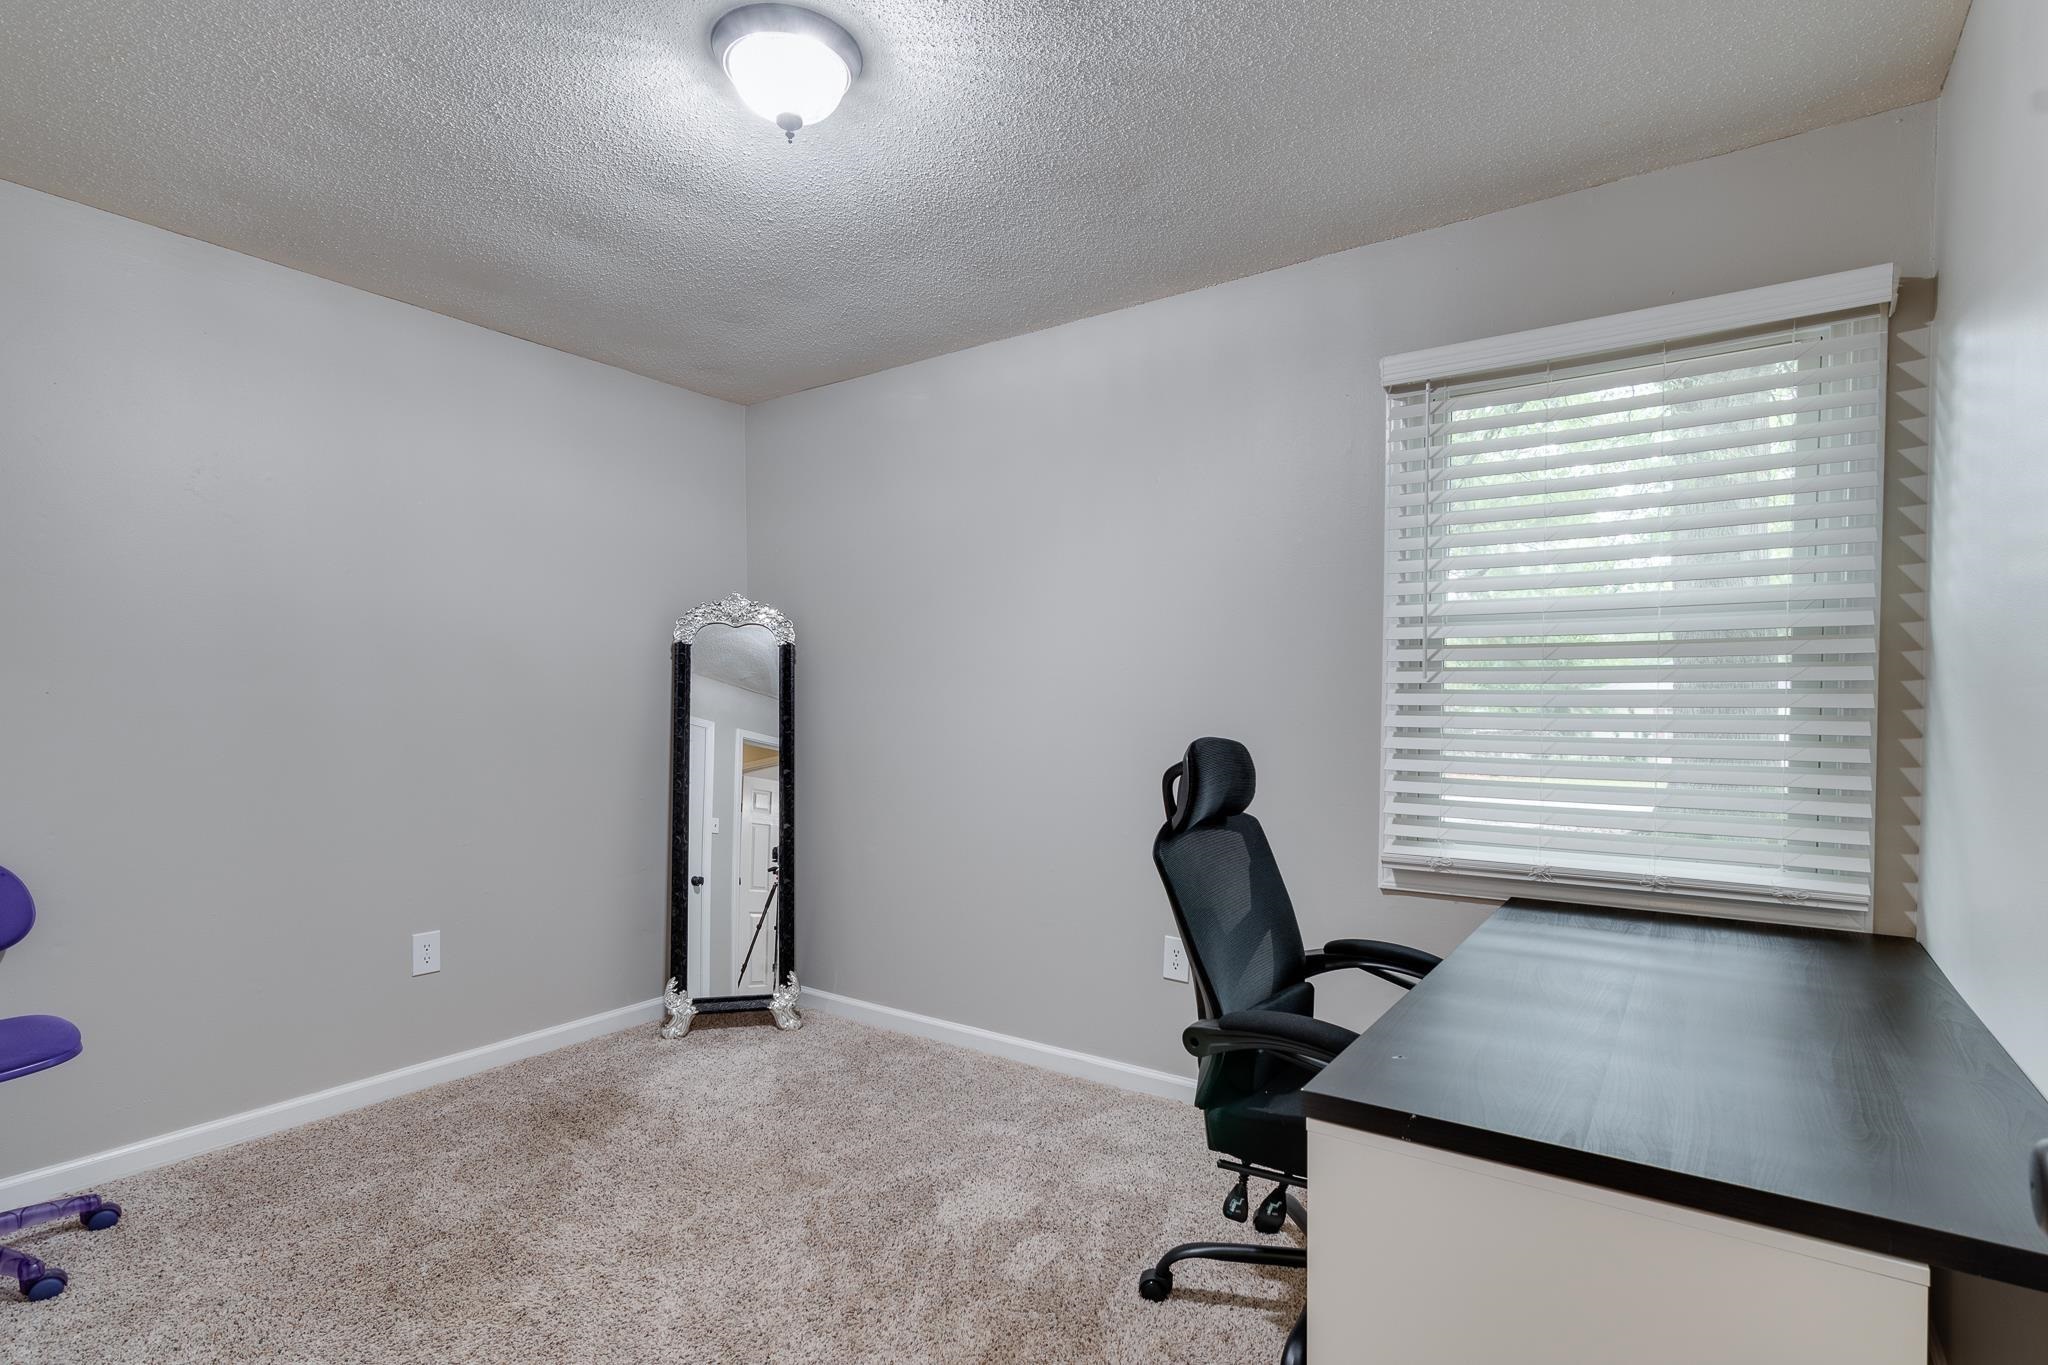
x=757 y=825
x=702 y=735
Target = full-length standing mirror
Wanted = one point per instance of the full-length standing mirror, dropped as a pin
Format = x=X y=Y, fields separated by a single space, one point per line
x=732 y=815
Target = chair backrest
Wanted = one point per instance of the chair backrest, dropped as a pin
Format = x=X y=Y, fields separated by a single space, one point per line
x=17 y=910
x=1236 y=921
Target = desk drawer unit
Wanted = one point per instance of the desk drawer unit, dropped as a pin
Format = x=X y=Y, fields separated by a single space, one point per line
x=1428 y=1257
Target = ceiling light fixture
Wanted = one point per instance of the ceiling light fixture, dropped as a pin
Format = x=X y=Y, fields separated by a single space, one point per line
x=789 y=65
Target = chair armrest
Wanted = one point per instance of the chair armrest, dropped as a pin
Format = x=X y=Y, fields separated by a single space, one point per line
x=1395 y=962
x=1297 y=1036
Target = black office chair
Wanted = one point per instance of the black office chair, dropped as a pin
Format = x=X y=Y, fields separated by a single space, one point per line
x=1258 y=1038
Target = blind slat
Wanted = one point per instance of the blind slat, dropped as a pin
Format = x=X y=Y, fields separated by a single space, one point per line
x=1625 y=723
x=1586 y=819
x=1594 y=698
x=1746 y=384
x=1583 y=625
x=1673 y=799
x=1550 y=845
x=1774 y=777
x=1728 y=464
x=1733 y=647
x=1471 y=481
x=1682 y=674
x=1767 y=406
x=1474 y=613
x=1789 y=749
x=1508 y=529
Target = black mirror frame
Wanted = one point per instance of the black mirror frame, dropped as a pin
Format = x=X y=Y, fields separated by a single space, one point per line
x=781 y=1002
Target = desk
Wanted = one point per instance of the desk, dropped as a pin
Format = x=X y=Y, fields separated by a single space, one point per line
x=1610 y=1136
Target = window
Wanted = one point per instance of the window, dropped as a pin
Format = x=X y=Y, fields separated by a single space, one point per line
x=1631 y=607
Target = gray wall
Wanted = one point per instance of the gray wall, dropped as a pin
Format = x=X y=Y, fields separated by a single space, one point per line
x=1988 y=739
x=1055 y=559
x=323 y=620
x=1987 y=745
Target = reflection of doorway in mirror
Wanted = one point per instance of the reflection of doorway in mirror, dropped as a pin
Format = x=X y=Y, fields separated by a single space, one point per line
x=754 y=862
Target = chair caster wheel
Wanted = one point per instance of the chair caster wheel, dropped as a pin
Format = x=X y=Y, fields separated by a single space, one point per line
x=1272 y=1215
x=1155 y=1285
x=101 y=1218
x=48 y=1287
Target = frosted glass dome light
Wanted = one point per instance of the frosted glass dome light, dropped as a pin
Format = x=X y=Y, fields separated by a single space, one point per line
x=790 y=65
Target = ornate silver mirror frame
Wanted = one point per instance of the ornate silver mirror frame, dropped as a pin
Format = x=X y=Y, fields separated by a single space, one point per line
x=733 y=610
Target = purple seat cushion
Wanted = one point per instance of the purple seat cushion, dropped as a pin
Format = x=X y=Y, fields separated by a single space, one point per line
x=17 y=910
x=31 y=1042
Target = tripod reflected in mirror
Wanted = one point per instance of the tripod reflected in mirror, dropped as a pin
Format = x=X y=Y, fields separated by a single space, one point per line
x=767 y=914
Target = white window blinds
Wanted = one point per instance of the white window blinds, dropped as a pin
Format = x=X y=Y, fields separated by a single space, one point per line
x=1631 y=624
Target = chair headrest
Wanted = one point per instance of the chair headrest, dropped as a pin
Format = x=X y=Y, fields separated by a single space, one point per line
x=17 y=910
x=1216 y=782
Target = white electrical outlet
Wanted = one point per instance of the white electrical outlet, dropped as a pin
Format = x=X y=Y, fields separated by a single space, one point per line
x=426 y=952
x=1176 y=966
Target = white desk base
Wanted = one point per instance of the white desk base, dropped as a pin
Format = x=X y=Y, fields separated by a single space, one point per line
x=1425 y=1257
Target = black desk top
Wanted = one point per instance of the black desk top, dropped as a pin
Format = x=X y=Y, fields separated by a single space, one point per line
x=1833 y=1085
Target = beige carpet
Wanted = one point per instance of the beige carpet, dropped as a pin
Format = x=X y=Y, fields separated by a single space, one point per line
x=836 y=1194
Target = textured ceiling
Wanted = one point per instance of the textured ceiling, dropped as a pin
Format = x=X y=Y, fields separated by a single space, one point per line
x=745 y=656
x=578 y=172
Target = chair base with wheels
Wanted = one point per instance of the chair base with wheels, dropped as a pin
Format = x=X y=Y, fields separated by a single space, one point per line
x=1155 y=1284
x=37 y=1280
x=30 y=1043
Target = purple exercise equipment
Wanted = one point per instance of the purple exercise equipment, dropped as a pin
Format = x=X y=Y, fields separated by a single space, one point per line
x=30 y=1043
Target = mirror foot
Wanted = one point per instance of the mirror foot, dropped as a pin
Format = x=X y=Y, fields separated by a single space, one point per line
x=681 y=1010
x=782 y=1004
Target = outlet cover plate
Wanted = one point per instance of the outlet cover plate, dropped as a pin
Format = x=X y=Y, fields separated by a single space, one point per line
x=1175 y=966
x=426 y=952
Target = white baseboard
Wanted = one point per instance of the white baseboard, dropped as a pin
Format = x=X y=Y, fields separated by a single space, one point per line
x=31 y=1187
x=1067 y=1062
